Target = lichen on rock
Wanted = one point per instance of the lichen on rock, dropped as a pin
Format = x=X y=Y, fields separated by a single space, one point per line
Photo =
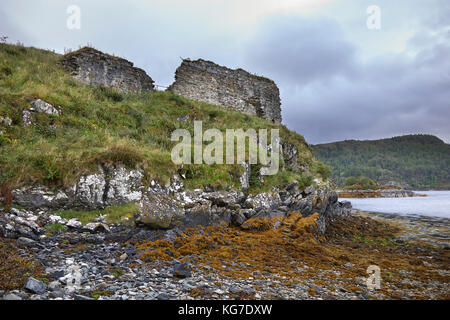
x=159 y=211
x=37 y=106
x=112 y=185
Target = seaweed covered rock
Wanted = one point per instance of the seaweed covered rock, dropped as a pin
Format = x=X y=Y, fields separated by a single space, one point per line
x=181 y=270
x=323 y=201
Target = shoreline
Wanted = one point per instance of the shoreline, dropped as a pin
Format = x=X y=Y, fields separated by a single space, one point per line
x=435 y=206
x=291 y=263
x=378 y=193
x=431 y=229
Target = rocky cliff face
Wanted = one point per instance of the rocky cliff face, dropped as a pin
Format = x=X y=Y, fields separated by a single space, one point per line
x=91 y=66
x=235 y=89
x=167 y=207
x=234 y=208
x=113 y=185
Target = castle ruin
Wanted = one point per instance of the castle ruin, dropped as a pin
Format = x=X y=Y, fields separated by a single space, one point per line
x=94 y=67
x=199 y=80
x=234 y=89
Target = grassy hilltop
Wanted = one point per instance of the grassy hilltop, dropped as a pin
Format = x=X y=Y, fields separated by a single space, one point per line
x=99 y=125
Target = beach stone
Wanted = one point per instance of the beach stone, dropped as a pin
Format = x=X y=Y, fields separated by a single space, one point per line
x=55 y=285
x=181 y=270
x=35 y=286
x=74 y=223
x=56 y=294
x=159 y=211
x=26 y=242
x=123 y=257
x=11 y=296
x=96 y=227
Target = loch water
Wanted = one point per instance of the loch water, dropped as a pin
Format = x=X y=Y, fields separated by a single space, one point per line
x=435 y=204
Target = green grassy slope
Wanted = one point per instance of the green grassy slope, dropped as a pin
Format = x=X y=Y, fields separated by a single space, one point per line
x=423 y=161
x=99 y=125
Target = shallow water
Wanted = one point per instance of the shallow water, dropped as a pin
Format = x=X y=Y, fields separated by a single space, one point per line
x=436 y=204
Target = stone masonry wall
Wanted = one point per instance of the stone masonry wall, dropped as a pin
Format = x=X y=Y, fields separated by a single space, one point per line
x=91 y=66
x=235 y=89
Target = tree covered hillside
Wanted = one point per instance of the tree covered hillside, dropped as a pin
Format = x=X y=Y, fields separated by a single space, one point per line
x=423 y=161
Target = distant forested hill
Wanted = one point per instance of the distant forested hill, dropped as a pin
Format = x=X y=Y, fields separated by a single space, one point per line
x=423 y=161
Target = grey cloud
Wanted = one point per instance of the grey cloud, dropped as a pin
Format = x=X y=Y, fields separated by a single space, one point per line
x=329 y=92
x=301 y=50
x=11 y=30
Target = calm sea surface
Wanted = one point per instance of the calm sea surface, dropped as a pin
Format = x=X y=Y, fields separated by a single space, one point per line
x=436 y=204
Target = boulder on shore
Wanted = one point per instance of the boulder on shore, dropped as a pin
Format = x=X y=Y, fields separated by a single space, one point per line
x=159 y=211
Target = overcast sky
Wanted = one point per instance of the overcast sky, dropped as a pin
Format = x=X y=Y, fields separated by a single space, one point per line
x=338 y=78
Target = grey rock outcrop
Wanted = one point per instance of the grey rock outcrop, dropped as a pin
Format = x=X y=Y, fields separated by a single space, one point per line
x=169 y=206
x=244 y=179
x=322 y=200
x=397 y=193
x=40 y=106
x=231 y=207
x=95 y=227
x=235 y=89
x=289 y=154
x=17 y=223
x=264 y=205
x=93 y=67
x=113 y=185
x=27 y=118
x=5 y=121
x=158 y=210
x=36 y=197
x=37 y=106
x=402 y=184
x=29 y=226
x=379 y=193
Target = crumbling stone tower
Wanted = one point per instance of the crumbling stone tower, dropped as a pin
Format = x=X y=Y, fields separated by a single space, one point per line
x=235 y=89
x=94 y=67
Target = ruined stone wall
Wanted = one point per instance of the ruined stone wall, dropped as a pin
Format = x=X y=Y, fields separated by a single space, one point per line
x=93 y=67
x=235 y=89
